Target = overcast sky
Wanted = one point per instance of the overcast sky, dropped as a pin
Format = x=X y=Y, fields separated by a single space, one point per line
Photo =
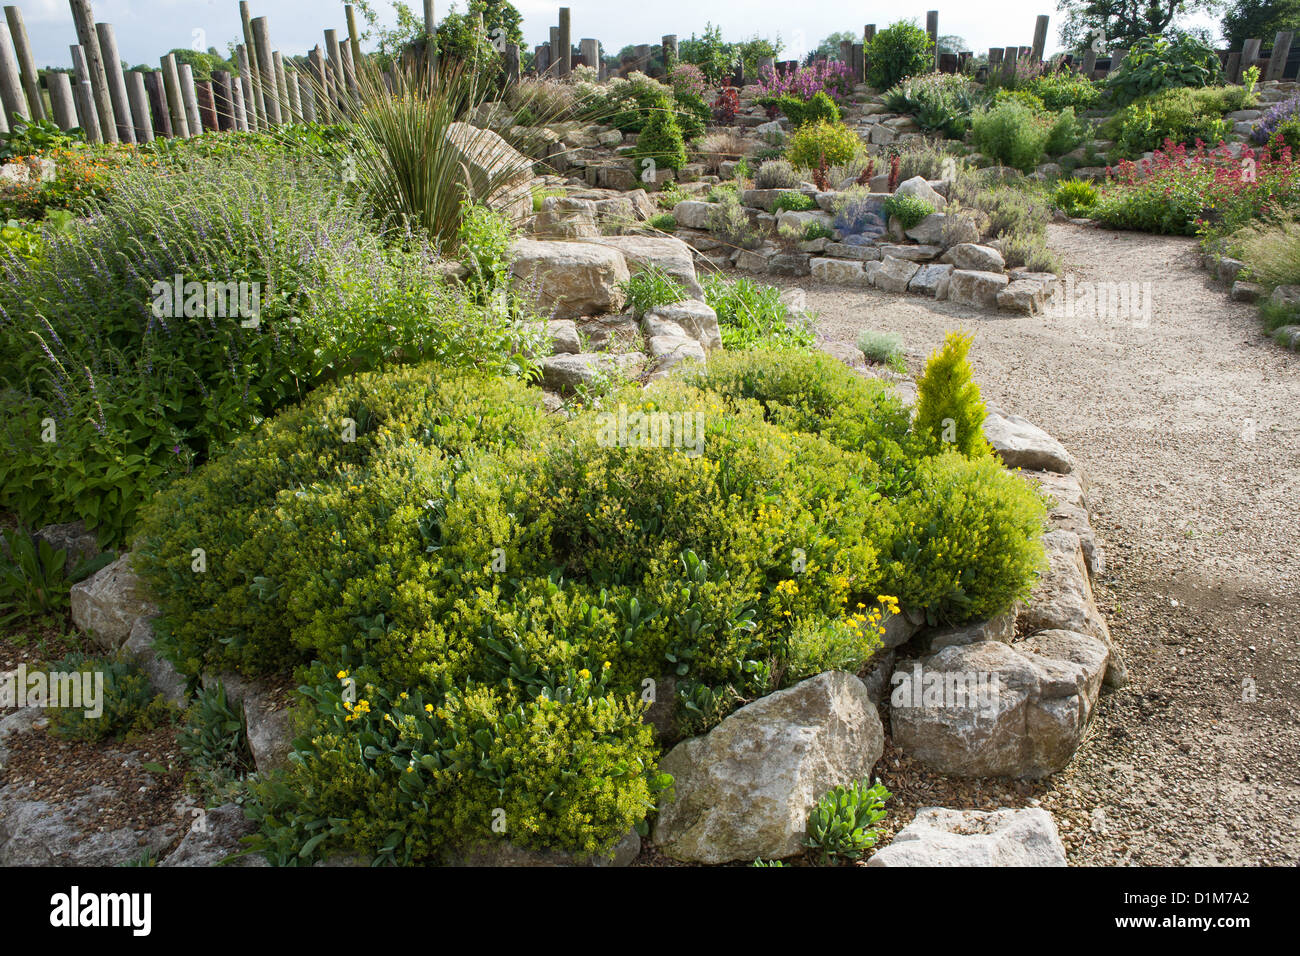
x=148 y=28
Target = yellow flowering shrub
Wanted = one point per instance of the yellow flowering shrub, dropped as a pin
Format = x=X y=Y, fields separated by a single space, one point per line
x=499 y=587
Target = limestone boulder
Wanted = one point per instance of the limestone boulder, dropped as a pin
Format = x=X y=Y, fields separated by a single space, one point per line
x=107 y=604
x=978 y=289
x=570 y=279
x=941 y=837
x=744 y=789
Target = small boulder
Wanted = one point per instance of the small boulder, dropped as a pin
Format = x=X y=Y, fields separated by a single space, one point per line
x=1021 y=444
x=107 y=604
x=894 y=274
x=978 y=289
x=940 y=837
x=975 y=258
x=918 y=186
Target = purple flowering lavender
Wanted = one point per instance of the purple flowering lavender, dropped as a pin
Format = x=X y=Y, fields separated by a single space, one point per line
x=1268 y=123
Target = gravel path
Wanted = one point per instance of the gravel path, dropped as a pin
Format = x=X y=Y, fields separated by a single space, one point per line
x=1187 y=427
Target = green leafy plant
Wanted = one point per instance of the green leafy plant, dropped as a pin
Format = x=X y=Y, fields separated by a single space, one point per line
x=1075 y=197
x=1011 y=133
x=801 y=112
x=938 y=102
x=817 y=230
x=897 y=52
x=215 y=742
x=883 y=348
x=1156 y=63
x=908 y=210
x=842 y=824
x=32 y=138
x=129 y=704
x=794 y=202
x=33 y=582
x=821 y=142
x=1181 y=115
x=662 y=142
x=729 y=222
x=776 y=174
x=664 y=222
x=650 y=288
x=752 y=315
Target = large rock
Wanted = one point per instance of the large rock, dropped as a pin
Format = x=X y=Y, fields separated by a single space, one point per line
x=928 y=230
x=894 y=274
x=215 y=835
x=571 y=279
x=932 y=280
x=975 y=258
x=918 y=186
x=744 y=790
x=693 y=213
x=107 y=604
x=499 y=175
x=978 y=289
x=40 y=833
x=1024 y=297
x=1068 y=510
x=990 y=710
x=266 y=719
x=669 y=351
x=565 y=218
x=73 y=539
x=1063 y=600
x=566 y=373
x=162 y=675
x=665 y=253
x=940 y=837
x=1021 y=444
x=838 y=271
x=698 y=320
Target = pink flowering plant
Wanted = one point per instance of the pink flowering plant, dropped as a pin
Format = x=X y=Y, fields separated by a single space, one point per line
x=1202 y=190
x=834 y=78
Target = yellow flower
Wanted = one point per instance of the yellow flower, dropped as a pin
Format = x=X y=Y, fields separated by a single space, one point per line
x=584 y=673
x=429 y=708
x=341 y=675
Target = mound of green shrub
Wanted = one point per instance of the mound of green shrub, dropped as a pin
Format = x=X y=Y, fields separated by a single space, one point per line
x=908 y=210
x=1181 y=115
x=480 y=592
x=820 y=141
x=1016 y=131
x=801 y=112
x=900 y=50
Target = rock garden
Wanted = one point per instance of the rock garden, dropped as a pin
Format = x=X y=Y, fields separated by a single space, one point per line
x=461 y=475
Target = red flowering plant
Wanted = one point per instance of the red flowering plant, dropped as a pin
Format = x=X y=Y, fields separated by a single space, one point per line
x=1202 y=190
x=726 y=105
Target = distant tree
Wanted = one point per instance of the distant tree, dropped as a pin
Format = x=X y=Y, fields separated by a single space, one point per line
x=950 y=43
x=830 y=47
x=201 y=64
x=1244 y=19
x=1117 y=23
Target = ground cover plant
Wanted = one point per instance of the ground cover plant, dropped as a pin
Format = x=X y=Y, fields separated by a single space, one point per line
x=473 y=594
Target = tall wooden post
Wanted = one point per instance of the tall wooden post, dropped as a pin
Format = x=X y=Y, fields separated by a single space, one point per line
x=26 y=64
x=932 y=28
x=671 y=57
x=223 y=98
x=240 y=104
x=156 y=87
x=175 y=105
x=565 y=37
x=190 y=99
x=431 y=36
x=11 y=85
x=247 y=88
x=61 y=100
x=282 y=86
x=116 y=82
x=266 y=67
x=139 y=98
x=512 y=62
x=257 y=108
x=1040 y=39
x=354 y=38
x=85 y=96
x=207 y=106
x=590 y=50
x=84 y=20
x=1281 y=49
